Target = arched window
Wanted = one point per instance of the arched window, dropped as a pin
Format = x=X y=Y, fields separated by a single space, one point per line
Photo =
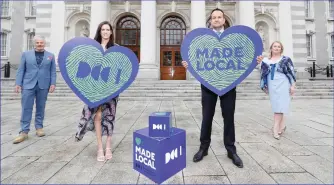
x=173 y=30
x=172 y=33
x=128 y=31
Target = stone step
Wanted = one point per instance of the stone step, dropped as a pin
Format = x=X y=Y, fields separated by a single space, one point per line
x=174 y=98
x=168 y=86
x=173 y=90
x=181 y=94
x=186 y=82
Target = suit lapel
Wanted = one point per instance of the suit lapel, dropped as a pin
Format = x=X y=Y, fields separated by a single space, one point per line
x=44 y=57
x=32 y=53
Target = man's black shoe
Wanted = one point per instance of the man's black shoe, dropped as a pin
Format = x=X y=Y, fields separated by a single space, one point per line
x=236 y=160
x=200 y=154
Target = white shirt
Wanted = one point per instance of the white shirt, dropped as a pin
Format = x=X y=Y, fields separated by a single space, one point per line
x=221 y=31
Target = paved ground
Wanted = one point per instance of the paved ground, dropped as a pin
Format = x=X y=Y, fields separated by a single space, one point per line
x=303 y=155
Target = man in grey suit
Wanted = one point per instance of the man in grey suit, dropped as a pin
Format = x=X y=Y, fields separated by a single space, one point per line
x=35 y=78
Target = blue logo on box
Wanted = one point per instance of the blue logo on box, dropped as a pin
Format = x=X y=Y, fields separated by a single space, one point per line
x=159 y=158
x=160 y=124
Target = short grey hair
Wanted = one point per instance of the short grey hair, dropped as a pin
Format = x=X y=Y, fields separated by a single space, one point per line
x=39 y=37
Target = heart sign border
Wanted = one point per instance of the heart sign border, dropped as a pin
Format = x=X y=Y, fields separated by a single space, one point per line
x=65 y=52
x=249 y=32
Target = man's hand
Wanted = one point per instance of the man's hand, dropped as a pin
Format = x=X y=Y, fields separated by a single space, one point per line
x=18 y=89
x=259 y=59
x=185 y=64
x=52 y=88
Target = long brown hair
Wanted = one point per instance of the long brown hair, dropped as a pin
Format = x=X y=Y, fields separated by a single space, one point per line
x=98 y=36
x=271 y=47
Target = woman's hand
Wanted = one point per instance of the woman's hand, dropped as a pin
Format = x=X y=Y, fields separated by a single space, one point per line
x=259 y=59
x=292 y=90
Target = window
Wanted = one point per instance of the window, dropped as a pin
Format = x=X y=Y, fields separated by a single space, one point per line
x=173 y=30
x=332 y=45
x=307 y=8
x=30 y=40
x=309 y=45
x=32 y=8
x=4 y=8
x=3 y=44
x=128 y=31
x=331 y=8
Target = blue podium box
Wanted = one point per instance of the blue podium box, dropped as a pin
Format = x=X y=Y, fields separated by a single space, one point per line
x=159 y=158
x=160 y=124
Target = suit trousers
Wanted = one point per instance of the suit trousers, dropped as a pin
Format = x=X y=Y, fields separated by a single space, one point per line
x=27 y=102
x=227 y=104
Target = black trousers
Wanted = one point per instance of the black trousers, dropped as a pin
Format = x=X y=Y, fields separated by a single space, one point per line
x=227 y=104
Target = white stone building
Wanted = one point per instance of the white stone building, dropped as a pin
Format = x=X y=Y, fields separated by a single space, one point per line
x=154 y=29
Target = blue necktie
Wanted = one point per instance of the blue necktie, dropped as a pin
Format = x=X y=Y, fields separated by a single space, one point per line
x=272 y=73
x=218 y=33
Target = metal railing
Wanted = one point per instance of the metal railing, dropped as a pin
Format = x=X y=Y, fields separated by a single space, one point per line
x=316 y=69
x=6 y=68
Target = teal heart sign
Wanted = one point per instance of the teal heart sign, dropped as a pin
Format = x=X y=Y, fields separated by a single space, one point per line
x=221 y=62
x=138 y=140
x=94 y=75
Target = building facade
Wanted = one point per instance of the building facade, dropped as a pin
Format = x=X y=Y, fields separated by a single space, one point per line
x=154 y=30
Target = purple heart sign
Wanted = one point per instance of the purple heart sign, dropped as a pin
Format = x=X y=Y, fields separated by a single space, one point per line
x=94 y=75
x=220 y=63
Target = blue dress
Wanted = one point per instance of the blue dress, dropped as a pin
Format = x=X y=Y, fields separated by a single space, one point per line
x=278 y=87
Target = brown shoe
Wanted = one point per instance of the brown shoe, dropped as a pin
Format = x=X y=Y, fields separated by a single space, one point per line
x=23 y=136
x=40 y=132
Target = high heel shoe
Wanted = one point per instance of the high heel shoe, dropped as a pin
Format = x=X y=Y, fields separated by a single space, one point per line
x=283 y=130
x=109 y=155
x=276 y=136
x=100 y=156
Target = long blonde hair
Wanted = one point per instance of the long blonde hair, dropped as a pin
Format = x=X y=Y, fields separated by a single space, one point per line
x=271 y=47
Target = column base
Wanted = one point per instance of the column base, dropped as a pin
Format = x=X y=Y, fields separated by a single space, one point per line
x=148 y=72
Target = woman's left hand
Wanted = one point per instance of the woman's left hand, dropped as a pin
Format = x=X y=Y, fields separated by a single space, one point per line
x=292 y=90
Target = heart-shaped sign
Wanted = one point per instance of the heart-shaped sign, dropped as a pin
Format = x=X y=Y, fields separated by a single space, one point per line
x=220 y=63
x=94 y=75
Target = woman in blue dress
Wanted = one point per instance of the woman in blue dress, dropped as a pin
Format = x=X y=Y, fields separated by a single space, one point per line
x=278 y=80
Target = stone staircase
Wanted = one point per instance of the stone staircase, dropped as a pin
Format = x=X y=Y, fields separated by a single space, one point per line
x=182 y=90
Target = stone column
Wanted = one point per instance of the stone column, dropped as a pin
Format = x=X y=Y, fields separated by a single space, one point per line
x=285 y=29
x=246 y=13
x=99 y=13
x=198 y=20
x=57 y=27
x=148 y=68
x=57 y=36
x=198 y=17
